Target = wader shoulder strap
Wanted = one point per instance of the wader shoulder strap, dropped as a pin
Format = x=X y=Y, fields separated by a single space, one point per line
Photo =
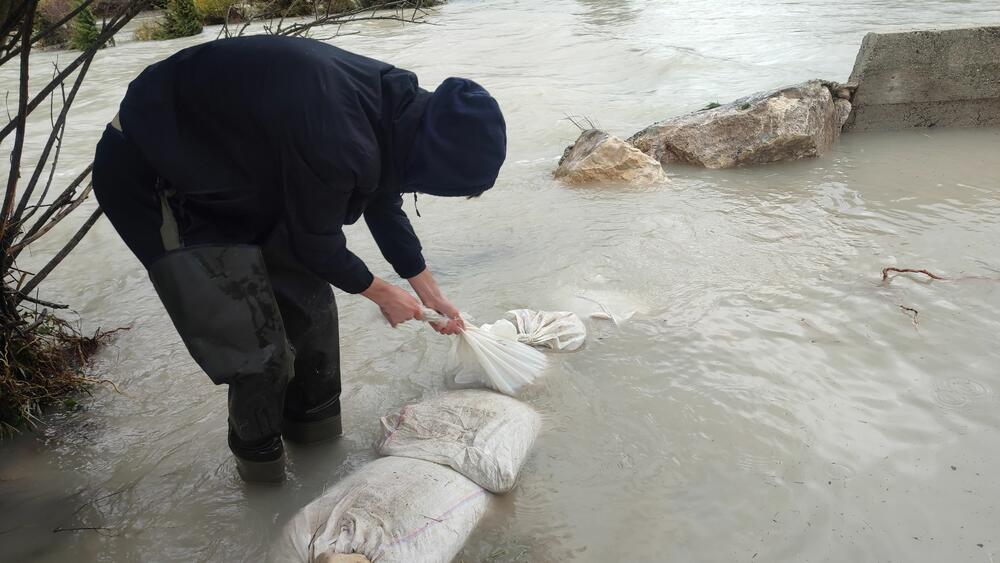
x=168 y=228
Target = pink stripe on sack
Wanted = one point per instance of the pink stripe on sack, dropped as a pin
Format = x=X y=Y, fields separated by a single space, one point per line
x=399 y=422
x=439 y=519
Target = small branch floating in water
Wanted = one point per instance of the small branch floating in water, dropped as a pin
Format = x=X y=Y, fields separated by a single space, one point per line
x=885 y=273
x=97 y=529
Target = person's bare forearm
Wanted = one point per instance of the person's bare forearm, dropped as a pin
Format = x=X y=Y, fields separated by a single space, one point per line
x=431 y=296
x=396 y=304
x=376 y=289
x=426 y=287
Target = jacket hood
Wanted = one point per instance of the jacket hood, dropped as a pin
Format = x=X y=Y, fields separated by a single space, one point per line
x=460 y=144
x=403 y=103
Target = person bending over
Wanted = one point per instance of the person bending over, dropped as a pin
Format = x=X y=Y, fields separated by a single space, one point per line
x=230 y=171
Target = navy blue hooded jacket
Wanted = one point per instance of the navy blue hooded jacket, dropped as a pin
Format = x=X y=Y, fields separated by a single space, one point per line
x=261 y=129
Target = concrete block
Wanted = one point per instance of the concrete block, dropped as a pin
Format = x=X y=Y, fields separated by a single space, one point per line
x=948 y=78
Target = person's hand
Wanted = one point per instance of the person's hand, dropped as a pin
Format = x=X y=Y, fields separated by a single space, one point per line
x=443 y=306
x=396 y=304
x=429 y=292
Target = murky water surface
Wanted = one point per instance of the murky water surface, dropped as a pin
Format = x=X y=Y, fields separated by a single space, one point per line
x=770 y=401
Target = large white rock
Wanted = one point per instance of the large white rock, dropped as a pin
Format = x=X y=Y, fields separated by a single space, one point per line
x=786 y=124
x=597 y=157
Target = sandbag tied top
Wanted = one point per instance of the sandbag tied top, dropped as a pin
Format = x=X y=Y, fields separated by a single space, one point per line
x=483 y=435
x=557 y=330
x=495 y=358
x=392 y=510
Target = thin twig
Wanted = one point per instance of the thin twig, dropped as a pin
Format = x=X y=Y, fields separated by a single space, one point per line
x=37 y=322
x=63 y=199
x=356 y=15
x=885 y=273
x=583 y=120
x=48 y=181
x=55 y=138
x=92 y=502
x=103 y=382
x=6 y=237
x=70 y=207
x=61 y=255
x=912 y=313
x=299 y=29
x=43 y=303
x=79 y=528
x=276 y=25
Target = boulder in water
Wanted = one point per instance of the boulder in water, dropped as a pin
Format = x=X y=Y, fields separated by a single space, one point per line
x=843 y=108
x=789 y=123
x=597 y=157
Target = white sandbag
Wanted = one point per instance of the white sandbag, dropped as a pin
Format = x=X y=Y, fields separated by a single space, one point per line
x=481 y=434
x=557 y=330
x=392 y=510
x=352 y=558
x=492 y=356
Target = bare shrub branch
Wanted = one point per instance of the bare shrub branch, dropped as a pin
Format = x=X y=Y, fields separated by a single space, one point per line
x=62 y=254
x=886 y=271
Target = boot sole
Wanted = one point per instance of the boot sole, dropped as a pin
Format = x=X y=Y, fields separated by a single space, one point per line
x=261 y=471
x=312 y=432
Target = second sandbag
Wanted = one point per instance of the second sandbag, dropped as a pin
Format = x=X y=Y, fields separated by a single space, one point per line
x=483 y=435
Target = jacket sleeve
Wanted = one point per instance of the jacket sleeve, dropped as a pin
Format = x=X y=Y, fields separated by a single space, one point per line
x=315 y=206
x=394 y=234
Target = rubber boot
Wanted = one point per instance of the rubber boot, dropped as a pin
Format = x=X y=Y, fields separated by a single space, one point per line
x=221 y=302
x=309 y=310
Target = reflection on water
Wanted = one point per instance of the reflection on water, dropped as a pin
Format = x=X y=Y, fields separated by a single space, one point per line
x=769 y=401
x=610 y=14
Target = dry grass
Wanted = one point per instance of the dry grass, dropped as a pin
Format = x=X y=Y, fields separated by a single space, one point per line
x=42 y=361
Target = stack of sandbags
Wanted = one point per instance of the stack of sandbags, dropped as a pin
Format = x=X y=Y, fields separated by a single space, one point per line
x=421 y=502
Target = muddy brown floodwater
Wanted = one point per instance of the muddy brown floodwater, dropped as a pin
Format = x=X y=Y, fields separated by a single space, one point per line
x=771 y=400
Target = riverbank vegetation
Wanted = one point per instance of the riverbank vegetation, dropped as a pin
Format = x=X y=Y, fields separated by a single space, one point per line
x=42 y=356
x=73 y=24
x=181 y=18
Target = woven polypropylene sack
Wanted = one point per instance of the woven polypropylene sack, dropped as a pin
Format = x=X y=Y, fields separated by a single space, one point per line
x=481 y=434
x=495 y=358
x=392 y=510
x=556 y=330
